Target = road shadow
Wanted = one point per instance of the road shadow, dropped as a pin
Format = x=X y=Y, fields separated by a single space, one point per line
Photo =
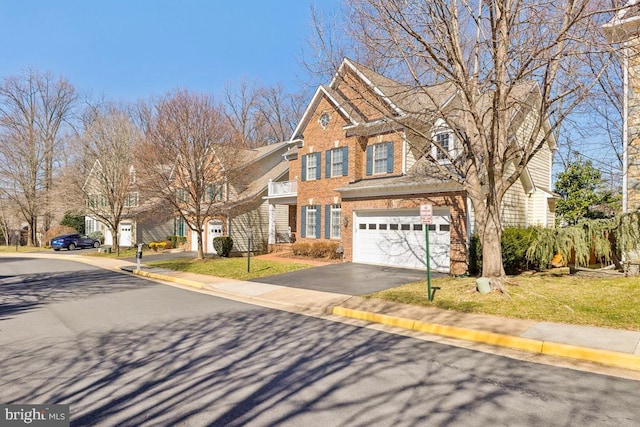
x=25 y=292
x=259 y=367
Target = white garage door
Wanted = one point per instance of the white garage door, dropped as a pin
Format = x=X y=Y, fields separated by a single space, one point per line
x=397 y=238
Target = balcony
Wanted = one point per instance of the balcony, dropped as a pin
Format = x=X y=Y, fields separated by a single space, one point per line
x=283 y=189
x=284 y=192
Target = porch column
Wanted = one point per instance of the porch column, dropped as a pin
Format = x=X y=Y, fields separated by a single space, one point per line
x=272 y=223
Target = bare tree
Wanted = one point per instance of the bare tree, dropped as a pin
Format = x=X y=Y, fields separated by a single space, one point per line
x=188 y=157
x=502 y=59
x=280 y=113
x=241 y=102
x=33 y=110
x=262 y=115
x=107 y=178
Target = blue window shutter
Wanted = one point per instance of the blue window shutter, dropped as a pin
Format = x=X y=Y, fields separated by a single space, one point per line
x=318 y=170
x=327 y=221
x=389 y=157
x=318 y=219
x=327 y=166
x=303 y=222
x=369 y=160
x=345 y=161
x=304 y=168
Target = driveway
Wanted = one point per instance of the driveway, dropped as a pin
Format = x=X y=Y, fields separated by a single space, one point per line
x=347 y=278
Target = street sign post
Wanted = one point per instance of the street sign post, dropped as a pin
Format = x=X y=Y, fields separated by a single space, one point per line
x=426 y=217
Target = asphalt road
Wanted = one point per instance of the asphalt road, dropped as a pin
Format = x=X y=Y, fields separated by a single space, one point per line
x=129 y=352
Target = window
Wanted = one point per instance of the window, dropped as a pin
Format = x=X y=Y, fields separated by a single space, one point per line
x=336 y=164
x=380 y=158
x=443 y=139
x=393 y=226
x=417 y=227
x=324 y=120
x=312 y=225
x=382 y=226
x=132 y=176
x=181 y=227
x=380 y=153
x=311 y=166
x=362 y=226
x=335 y=212
x=213 y=193
x=405 y=226
x=131 y=200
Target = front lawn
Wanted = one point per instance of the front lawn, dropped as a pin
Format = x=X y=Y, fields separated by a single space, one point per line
x=606 y=302
x=231 y=268
x=124 y=253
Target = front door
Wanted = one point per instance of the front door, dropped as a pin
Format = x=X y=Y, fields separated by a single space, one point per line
x=214 y=229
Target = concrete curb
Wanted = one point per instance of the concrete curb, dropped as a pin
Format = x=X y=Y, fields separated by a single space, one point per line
x=258 y=300
x=604 y=357
x=168 y=278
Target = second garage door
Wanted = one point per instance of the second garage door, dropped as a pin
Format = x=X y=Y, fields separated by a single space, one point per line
x=397 y=238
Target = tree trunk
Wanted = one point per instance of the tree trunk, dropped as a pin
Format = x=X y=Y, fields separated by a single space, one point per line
x=200 y=245
x=31 y=233
x=489 y=226
x=116 y=242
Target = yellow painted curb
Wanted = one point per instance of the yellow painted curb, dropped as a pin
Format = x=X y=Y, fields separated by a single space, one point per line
x=166 y=278
x=605 y=357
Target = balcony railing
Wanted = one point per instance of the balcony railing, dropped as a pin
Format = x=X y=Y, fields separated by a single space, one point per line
x=282 y=189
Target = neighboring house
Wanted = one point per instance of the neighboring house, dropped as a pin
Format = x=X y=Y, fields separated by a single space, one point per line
x=145 y=218
x=245 y=213
x=624 y=29
x=359 y=179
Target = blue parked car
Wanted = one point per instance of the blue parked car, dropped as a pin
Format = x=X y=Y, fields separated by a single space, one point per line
x=73 y=241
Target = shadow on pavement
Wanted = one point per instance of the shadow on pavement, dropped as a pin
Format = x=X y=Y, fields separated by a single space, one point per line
x=245 y=367
x=25 y=292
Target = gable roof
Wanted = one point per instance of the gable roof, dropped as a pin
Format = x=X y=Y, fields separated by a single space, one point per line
x=347 y=110
x=625 y=24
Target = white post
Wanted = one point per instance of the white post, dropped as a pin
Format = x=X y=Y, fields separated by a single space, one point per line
x=272 y=223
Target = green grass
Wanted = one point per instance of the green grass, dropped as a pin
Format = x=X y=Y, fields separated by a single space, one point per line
x=231 y=268
x=124 y=253
x=608 y=302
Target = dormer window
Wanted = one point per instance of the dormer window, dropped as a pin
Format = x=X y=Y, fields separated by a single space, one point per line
x=324 y=120
x=443 y=140
x=442 y=148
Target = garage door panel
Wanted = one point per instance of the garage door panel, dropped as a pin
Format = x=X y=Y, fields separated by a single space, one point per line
x=399 y=240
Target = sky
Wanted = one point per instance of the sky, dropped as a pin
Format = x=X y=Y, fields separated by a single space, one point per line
x=125 y=50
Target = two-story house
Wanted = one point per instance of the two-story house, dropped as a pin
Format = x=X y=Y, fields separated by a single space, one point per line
x=244 y=213
x=143 y=217
x=359 y=179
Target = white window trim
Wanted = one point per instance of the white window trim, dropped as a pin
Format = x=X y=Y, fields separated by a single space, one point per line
x=441 y=129
x=312 y=176
x=376 y=160
x=311 y=218
x=335 y=164
x=335 y=209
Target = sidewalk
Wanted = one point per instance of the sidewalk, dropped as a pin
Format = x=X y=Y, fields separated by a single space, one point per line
x=610 y=347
